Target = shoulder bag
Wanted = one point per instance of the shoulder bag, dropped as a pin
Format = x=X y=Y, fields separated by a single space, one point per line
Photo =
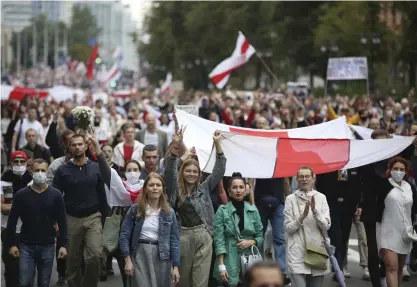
x=250 y=258
x=315 y=256
x=111 y=229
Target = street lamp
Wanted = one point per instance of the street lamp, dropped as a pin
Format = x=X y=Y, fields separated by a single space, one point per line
x=327 y=50
x=374 y=41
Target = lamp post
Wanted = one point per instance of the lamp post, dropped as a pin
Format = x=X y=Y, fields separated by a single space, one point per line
x=327 y=50
x=374 y=41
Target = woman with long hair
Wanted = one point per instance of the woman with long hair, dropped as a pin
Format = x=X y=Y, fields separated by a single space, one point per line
x=149 y=239
x=192 y=202
x=307 y=219
x=397 y=207
x=237 y=227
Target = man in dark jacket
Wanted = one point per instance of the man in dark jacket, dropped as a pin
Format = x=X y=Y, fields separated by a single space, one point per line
x=33 y=149
x=17 y=177
x=373 y=179
x=85 y=203
x=343 y=191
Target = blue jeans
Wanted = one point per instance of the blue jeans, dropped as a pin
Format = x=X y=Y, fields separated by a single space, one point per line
x=32 y=257
x=273 y=210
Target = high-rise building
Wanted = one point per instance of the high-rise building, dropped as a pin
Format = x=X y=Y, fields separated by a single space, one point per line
x=116 y=24
x=16 y=15
x=51 y=9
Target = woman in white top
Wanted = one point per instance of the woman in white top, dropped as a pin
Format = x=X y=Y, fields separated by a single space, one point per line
x=307 y=219
x=150 y=238
x=396 y=204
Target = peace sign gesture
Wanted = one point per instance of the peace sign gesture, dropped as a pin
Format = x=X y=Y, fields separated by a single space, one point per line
x=178 y=136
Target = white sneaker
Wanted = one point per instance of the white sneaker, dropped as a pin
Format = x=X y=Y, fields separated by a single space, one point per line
x=406 y=274
x=383 y=282
x=366 y=275
x=346 y=273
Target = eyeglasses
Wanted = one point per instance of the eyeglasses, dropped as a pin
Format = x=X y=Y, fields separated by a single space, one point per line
x=304 y=176
x=19 y=161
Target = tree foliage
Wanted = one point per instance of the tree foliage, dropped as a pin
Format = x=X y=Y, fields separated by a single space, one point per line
x=292 y=32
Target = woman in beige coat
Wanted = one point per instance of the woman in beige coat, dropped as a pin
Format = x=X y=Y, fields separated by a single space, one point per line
x=307 y=217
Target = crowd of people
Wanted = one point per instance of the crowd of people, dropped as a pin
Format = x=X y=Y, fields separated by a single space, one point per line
x=130 y=189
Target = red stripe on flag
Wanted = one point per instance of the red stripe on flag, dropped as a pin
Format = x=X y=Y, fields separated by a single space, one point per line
x=217 y=78
x=322 y=155
x=245 y=47
x=112 y=76
x=260 y=133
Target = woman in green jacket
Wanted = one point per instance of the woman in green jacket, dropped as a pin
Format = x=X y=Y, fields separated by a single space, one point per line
x=237 y=227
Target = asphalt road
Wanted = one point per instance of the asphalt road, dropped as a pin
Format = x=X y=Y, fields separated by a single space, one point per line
x=354 y=268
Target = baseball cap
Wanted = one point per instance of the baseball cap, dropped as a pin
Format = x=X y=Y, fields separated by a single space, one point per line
x=18 y=153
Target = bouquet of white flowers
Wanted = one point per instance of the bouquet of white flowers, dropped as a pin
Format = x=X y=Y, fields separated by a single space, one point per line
x=84 y=116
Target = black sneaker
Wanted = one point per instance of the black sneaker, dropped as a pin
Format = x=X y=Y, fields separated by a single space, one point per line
x=61 y=281
x=287 y=280
x=103 y=275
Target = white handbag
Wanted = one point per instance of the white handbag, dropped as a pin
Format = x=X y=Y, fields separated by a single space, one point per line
x=247 y=260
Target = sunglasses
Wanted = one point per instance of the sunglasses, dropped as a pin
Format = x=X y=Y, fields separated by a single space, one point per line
x=19 y=161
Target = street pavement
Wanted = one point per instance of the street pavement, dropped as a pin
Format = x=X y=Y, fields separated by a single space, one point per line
x=354 y=268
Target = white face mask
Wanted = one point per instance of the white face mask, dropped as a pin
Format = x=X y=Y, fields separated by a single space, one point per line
x=19 y=169
x=39 y=177
x=132 y=177
x=397 y=175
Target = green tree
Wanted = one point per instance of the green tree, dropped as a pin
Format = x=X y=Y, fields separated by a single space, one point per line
x=83 y=28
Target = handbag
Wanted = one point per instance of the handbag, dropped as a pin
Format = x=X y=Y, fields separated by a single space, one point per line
x=247 y=260
x=315 y=256
x=408 y=234
x=111 y=231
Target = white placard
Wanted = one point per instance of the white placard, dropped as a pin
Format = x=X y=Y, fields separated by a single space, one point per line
x=355 y=68
x=191 y=109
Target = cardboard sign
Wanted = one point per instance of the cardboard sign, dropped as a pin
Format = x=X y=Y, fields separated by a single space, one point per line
x=191 y=109
x=355 y=68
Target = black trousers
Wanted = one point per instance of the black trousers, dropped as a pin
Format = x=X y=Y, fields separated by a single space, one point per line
x=374 y=262
x=61 y=265
x=120 y=262
x=11 y=264
x=339 y=232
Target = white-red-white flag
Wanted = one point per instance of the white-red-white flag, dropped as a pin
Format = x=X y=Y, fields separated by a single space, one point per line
x=241 y=55
x=280 y=153
x=166 y=85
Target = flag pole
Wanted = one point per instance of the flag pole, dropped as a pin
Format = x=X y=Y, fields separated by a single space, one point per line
x=267 y=68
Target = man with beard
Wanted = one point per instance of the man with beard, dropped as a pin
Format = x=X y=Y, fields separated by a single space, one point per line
x=85 y=203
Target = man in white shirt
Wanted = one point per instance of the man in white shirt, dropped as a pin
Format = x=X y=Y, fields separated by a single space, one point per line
x=23 y=125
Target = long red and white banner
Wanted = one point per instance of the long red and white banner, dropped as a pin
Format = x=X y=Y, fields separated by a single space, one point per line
x=279 y=153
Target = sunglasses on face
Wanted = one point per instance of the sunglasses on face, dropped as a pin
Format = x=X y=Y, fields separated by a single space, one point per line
x=17 y=161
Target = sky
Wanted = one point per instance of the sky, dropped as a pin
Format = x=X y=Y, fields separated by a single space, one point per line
x=138 y=9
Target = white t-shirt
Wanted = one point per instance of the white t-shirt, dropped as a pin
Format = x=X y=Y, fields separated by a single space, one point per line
x=150 y=226
x=5 y=218
x=151 y=138
x=37 y=126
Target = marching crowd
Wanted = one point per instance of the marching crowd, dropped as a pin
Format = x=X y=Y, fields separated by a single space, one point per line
x=129 y=189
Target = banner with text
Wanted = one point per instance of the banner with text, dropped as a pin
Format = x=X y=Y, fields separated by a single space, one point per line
x=355 y=68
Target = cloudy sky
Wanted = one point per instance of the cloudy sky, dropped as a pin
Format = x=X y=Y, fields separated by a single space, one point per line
x=138 y=9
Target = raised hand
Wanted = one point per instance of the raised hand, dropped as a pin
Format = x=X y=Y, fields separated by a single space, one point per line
x=217 y=136
x=178 y=136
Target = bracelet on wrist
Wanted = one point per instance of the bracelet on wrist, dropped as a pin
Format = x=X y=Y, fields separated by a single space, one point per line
x=222 y=268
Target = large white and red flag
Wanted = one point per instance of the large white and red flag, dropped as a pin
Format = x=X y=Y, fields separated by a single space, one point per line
x=280 y=153
x=241 y=55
